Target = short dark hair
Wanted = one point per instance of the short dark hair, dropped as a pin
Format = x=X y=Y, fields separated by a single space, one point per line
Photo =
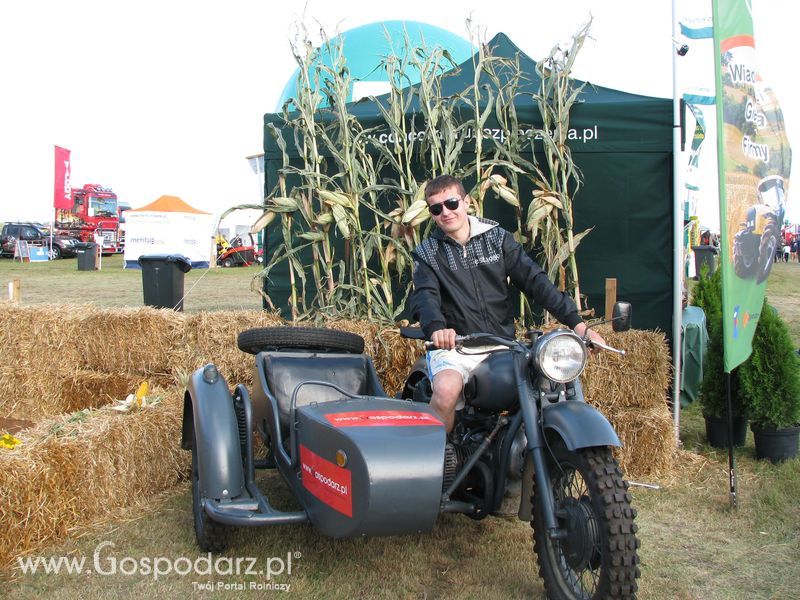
x=441 y=183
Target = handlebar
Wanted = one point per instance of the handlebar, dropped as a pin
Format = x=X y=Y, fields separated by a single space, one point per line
x=593 y=343
x=479 y=339
x=496 y=340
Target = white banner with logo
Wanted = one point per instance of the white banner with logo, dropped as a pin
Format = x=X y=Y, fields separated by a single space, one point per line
x=165 y=233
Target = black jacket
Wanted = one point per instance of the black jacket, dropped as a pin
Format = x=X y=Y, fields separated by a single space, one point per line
x=466 y=287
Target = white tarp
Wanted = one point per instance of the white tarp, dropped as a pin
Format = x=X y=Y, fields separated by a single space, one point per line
x=155 y=232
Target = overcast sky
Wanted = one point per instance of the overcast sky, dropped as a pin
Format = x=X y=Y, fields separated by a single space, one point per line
x=167 y=97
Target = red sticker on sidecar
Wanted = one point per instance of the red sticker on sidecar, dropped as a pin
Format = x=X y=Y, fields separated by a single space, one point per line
x=381 y=418
x=327 y=481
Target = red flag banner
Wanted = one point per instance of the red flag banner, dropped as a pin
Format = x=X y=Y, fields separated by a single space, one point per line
x=62 y=192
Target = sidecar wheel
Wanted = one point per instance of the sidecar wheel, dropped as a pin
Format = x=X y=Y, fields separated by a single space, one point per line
x=597 y=557
x=317 y=339
x=211 y=535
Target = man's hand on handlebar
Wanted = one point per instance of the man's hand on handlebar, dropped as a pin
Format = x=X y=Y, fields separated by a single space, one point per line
x=444 y=339
x=591 y=336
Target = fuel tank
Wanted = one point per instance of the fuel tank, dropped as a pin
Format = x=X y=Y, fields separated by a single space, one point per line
x=492 y=386
x=370 y=466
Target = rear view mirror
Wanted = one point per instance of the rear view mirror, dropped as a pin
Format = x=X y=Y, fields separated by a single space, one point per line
x=621 y=316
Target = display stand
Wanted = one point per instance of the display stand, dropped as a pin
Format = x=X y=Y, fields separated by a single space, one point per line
x=22 y=251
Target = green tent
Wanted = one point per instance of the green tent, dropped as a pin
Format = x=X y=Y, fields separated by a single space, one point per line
x=622 y=144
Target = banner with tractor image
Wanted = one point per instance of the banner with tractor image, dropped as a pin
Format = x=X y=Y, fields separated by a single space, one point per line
x=754 y=164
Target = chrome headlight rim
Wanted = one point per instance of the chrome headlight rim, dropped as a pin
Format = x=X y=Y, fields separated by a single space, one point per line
x=567 y=339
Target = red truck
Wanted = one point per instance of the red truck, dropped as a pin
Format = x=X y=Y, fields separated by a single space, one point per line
x=95 y=208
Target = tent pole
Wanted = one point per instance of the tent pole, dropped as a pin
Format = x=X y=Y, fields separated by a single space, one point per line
x=677 y=234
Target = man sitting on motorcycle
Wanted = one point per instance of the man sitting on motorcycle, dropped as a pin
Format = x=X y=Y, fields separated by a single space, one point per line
x=461 y=286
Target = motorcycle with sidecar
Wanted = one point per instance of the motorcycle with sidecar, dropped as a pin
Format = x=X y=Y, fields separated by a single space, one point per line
x=362 y=464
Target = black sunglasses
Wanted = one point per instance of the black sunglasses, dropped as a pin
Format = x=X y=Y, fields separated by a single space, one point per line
x=449 y=204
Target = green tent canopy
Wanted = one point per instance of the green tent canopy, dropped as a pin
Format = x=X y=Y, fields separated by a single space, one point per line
x=622 y=144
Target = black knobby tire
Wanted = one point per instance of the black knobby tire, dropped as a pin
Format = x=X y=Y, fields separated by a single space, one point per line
x=767 y=248
x=745 y=261
x=211 y=535
x=264 y=339
x=598 y=558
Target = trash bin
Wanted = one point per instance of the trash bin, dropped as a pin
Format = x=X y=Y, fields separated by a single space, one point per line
x=162 y=279
x=87 y=258
x=704 y=255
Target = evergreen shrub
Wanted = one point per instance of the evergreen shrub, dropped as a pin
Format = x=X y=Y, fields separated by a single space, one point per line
x=770 y=378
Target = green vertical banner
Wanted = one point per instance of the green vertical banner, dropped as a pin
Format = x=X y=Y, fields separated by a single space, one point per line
x=754 y=162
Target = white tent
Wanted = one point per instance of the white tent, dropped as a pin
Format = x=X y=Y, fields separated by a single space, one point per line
x=168 y=226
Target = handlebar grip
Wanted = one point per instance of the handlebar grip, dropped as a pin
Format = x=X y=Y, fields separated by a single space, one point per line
x=460 y=339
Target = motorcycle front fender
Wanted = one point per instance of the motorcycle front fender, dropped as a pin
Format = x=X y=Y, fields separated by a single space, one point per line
x=580 y=425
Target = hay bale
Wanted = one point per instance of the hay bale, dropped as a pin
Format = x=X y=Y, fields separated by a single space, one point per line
x=38 y=337
x=394 y=356
x=26 y=393
x=211 y=338
x=648 y=442
x=70 y=472
x=640 y=379
x=142 y=341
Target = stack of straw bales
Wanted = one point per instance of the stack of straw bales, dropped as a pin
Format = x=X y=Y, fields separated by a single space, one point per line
x=82 y=461
x=632 y=392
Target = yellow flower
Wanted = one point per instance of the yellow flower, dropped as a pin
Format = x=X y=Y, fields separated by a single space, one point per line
x=9 y=441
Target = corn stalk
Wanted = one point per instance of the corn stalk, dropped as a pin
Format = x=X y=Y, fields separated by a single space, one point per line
x=359 y=206
x=553 y=200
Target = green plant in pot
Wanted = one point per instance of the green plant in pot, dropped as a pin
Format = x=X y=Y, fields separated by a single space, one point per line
x=707 y=294
x=770 y=383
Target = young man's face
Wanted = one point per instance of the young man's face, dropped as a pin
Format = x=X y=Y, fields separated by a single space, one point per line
x=452 y=221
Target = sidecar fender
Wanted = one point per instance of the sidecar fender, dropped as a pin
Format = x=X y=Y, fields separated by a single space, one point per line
x=209 y=419
x=580 y=425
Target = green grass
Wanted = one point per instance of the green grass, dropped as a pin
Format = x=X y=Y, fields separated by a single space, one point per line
x=694 y=546
x=112 y=286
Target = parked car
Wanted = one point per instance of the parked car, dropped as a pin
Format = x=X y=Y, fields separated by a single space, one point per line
x=36 y=235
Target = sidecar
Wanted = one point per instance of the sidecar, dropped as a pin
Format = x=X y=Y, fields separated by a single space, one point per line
x=357 y=462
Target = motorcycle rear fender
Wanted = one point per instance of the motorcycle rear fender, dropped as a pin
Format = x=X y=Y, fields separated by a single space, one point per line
x=580 y=425
x=209 y=418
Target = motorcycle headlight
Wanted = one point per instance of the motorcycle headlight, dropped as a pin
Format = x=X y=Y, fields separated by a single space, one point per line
x=560 y=355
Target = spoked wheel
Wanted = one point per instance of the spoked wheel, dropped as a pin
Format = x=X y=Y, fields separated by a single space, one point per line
x=211 y=535
x=596 y=557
